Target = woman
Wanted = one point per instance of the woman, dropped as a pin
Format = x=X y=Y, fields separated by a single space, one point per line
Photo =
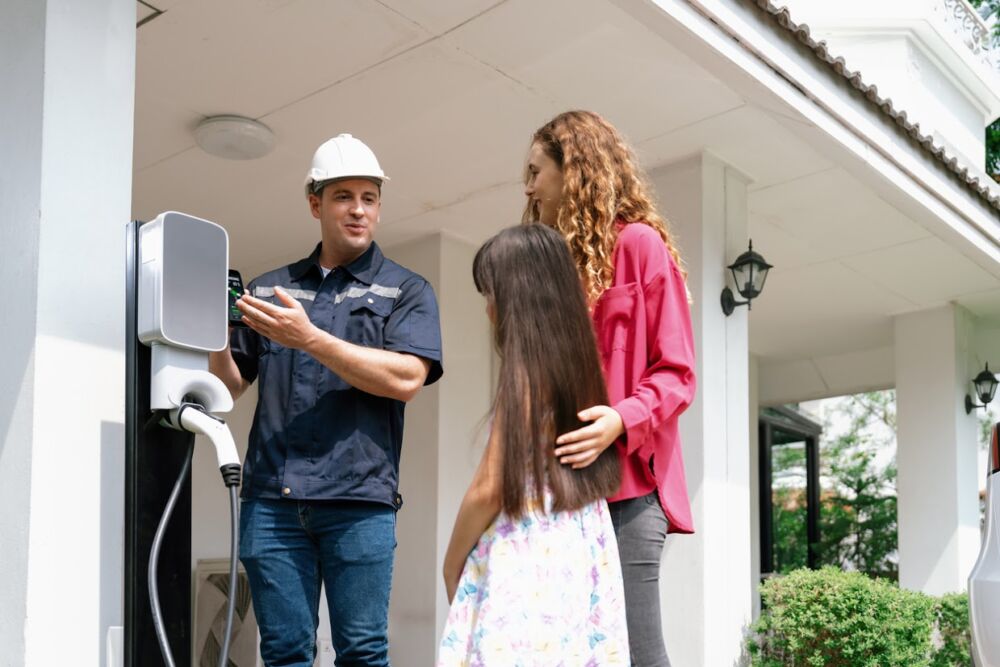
x=532 y=571
x=581 y=179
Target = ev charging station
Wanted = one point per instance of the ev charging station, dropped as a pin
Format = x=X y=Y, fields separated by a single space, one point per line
x=176 y=313
x=984 y=581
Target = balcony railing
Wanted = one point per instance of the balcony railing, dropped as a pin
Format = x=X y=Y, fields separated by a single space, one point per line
x=970 y=28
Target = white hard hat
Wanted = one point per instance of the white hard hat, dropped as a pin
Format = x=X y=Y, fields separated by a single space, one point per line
x=343 y=157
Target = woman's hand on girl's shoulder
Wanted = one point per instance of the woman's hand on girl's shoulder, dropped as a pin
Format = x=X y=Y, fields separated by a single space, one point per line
x=581 y=447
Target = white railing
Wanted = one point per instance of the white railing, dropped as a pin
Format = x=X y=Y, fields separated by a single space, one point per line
x=970 y=28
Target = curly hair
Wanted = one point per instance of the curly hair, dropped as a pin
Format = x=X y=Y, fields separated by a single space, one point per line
x=601 y=186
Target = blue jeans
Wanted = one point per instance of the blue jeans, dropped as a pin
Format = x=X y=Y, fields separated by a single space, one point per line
x=289 y=548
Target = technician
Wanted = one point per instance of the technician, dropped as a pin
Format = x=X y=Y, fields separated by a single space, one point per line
x=340 y=341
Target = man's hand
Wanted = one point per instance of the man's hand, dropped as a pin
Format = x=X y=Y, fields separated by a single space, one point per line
x=288 y=326
x=581 y=447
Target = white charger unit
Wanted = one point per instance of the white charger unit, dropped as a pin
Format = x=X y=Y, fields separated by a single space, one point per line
x=183 y=273
x=182 y=308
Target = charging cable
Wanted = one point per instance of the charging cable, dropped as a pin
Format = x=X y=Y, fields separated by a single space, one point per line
x=192 y=418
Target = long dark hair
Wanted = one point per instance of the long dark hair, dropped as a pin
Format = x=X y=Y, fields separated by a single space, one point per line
x=549 y=368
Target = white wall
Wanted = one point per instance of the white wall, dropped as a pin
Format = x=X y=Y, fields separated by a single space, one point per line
x=466 y=395
x=904 y=73
x=986 y=346
x=22 y=41
x=442 y=444
x=411 y=605
x=915 y=53
x=67 y=69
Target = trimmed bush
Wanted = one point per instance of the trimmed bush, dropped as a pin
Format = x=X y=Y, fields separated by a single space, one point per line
x=830 y=618
x=952 y=616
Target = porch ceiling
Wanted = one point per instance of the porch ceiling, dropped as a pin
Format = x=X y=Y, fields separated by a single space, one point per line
x=447 y=92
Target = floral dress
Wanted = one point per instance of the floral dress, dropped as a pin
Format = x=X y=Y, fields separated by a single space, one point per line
x=541 y=591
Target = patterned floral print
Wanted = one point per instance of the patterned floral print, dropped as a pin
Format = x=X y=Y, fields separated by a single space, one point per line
x=541 y=591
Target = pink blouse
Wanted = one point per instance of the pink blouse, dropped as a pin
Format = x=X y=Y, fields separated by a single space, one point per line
x=643 y=326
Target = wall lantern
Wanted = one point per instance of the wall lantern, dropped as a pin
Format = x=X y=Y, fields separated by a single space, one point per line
x=749 y=273
x=986 y=388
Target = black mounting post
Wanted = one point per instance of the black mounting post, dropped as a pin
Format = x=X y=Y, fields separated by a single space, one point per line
x=153 y=459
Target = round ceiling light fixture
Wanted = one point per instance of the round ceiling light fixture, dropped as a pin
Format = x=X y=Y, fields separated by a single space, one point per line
x=234 y=137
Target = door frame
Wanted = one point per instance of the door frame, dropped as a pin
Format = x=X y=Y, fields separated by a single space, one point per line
x=794 y=423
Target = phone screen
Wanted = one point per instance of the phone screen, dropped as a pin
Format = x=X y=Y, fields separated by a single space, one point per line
x=235 y=292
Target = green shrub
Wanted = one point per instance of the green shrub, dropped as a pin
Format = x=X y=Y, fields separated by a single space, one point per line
x=814 y=618
x=952 y=616
x=829 y=618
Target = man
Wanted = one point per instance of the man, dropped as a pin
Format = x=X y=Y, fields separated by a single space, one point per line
x=340 y=341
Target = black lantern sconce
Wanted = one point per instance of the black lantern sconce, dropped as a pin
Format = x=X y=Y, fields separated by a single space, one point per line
x=749 y=273
x=986 y=388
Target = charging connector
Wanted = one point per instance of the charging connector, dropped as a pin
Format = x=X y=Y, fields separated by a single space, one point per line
x=193 y=418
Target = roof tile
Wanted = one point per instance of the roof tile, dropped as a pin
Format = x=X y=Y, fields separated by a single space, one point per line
x=986 y=190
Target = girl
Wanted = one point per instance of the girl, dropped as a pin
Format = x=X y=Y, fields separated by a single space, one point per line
x=581 y=179
x=542 y=584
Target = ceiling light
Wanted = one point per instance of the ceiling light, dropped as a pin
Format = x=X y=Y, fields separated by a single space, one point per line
x=234 y=137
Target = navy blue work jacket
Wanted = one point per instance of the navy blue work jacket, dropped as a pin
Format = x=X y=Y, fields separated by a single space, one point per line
x=314 y=437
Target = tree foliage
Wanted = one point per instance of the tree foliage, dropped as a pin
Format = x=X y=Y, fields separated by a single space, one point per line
x=858 y=528
x=993 y=150
x=991 y=9
x=788 y=498
x=858 y=525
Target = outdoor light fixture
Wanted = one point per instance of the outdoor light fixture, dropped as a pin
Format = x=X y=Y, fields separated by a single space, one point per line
x=749 y=273
x=986 y=387
x=234 y=137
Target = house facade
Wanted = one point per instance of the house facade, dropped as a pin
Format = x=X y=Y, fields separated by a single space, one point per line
x=844 y=138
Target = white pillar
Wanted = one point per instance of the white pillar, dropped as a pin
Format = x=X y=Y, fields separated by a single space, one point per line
x=753 y=421
x=442 y=443
x=706 y=578
x=67 y=72
x=937 y=484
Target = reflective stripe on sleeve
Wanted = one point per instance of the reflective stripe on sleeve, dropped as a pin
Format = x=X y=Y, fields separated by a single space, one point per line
x=304 y=294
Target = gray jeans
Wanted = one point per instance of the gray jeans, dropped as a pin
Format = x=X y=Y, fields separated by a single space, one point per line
x=641 y=528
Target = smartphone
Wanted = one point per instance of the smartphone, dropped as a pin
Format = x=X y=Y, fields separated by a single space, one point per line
x=235 y=292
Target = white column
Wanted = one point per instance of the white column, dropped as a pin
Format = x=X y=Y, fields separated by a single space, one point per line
x=937 y=485
x=753 y=421
x=706 y=578
x=442 y=442
x=67 y=72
